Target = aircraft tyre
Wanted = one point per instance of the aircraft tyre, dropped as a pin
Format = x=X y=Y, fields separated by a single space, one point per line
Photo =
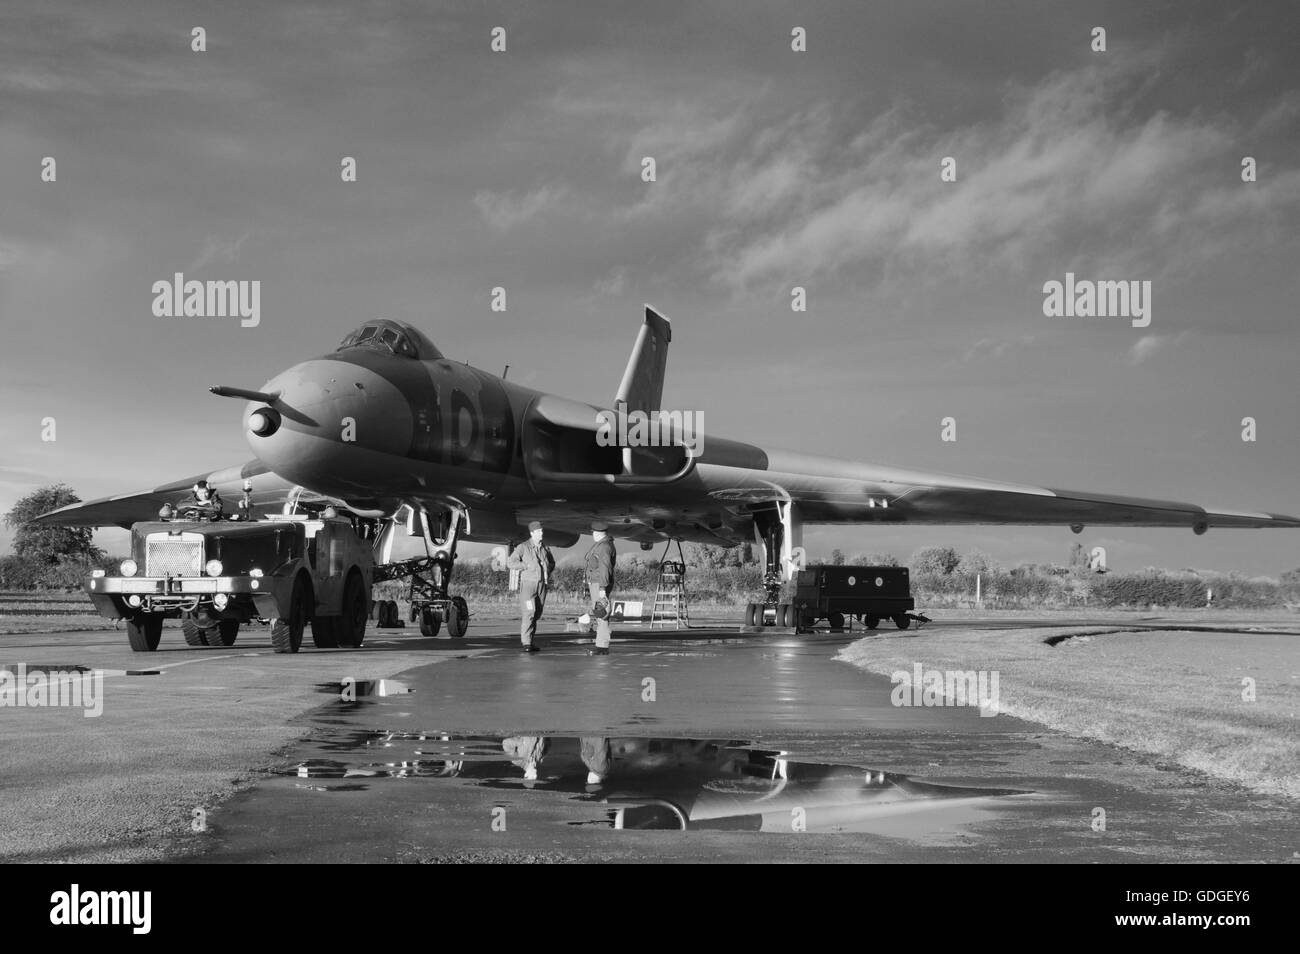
x=457 y=617
x=430 y=622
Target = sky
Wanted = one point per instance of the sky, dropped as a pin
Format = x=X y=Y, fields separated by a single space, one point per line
x=774 y=169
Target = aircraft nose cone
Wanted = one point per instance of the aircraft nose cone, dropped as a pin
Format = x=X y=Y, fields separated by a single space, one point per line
x=325 y=410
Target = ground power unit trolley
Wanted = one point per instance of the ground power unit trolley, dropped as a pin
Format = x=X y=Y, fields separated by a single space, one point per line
x=869 y=593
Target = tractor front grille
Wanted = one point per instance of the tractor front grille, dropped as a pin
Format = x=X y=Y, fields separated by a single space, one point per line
x=173 y=556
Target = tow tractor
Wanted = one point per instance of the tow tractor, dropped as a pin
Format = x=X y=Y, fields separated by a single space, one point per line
x=290 y=570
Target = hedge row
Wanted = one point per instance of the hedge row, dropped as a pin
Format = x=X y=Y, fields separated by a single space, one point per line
x=477 y=580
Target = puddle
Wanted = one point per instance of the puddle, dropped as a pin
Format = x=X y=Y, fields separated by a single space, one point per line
x=630 y=783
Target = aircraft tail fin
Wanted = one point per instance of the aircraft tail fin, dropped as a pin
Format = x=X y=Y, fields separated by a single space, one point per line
x=642 y=388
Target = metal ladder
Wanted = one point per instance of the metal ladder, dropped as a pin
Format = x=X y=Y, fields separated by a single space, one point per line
x=671 y=603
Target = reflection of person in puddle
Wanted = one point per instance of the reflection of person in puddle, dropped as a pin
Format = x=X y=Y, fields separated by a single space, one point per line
x=528 y=752
x=596 y=756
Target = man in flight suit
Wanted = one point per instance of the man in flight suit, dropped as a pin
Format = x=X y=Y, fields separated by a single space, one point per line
x=600 y=580
x=536 y=567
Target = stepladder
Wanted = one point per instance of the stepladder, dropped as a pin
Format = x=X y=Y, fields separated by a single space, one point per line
x=671 y=604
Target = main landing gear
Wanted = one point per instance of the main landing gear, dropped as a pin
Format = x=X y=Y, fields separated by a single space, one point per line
x=776 y=528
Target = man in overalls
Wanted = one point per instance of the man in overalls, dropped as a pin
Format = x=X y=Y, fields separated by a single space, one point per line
x=600 y=581
x=536 y=566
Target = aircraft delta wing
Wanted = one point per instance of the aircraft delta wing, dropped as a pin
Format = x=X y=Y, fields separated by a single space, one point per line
x=386 y=423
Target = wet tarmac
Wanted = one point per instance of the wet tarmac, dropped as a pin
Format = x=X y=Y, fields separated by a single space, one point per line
x=709 y=746
x=679 y=746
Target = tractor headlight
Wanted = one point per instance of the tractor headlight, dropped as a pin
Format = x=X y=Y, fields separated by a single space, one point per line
x=212 y=568
x=128 y=568
x=219 y=600
x=134 y=600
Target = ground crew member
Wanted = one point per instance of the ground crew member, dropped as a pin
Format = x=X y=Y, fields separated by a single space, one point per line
x=204 y=503
x=536 y=567
x=600 y=581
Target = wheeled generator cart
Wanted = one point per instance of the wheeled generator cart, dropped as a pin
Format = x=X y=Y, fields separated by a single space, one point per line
x=869 y=593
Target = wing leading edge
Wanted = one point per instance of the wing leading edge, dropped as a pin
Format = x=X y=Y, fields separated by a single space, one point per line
x=269 y=492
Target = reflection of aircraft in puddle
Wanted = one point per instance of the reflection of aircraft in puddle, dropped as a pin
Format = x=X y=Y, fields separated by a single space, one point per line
x=648 y=783
x=692 y=784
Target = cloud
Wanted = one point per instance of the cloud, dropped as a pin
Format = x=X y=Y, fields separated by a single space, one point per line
x=504 y=211
x=988 y=349
x=611 y=285
x=1148 y=345
x=217 y=251
x=1066 y=165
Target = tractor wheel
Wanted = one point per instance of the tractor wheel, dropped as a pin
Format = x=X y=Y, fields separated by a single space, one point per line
x=144 y=632
x=350 y=627
x=194 y=633
x=223 y=633
x=286 y=633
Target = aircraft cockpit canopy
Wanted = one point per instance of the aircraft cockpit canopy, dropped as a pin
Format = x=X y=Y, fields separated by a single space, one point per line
x=395 y=337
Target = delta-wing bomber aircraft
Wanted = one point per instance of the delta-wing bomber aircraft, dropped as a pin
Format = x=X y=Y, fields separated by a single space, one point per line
x=389 y=430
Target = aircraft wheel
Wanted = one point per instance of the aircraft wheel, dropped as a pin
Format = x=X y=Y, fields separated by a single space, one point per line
x=430 y=622
x=902 y=622
x=871 y=622
x=350 y=626
x=144 y=632
x=751 y=614
x=836 y=620
x=785 y=615
x=193 y=632
x=457 y=617
x=223 y=633
x=286 y=634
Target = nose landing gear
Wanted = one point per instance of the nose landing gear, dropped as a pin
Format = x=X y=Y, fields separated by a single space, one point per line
x=431 y=605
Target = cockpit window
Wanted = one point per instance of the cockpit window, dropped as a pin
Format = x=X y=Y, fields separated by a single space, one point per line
x=393 y=337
